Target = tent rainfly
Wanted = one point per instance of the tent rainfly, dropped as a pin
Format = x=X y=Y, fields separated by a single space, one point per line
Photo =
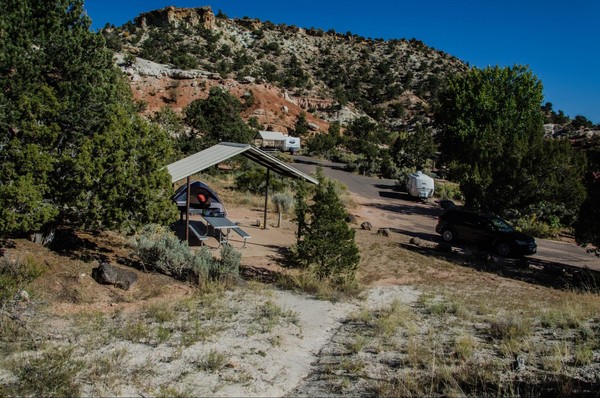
x=202 y=160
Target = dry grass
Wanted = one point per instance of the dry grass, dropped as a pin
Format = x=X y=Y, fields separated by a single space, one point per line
x=469 y=332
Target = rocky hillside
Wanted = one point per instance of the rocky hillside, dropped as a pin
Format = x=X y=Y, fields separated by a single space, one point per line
x=174 y=56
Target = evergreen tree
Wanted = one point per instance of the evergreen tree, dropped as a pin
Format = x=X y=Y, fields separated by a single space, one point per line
x=301 y=208
x=327 y=242
x=492 y=138
x=412 y=150
x=216 y=119
x=73 y=150
x=301 y=127
x=587 y=228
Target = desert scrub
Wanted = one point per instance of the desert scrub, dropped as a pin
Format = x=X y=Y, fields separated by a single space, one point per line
x=390 y=319
x=324 y=289
x=161 y=250
x=105 y=370
x=160 y=312
x=439 y=305
x=508 y=326
x=51 y=373
x=464 y=346
x=269 y=314
x=213 y=361
x=15 y=275
x=284 y=203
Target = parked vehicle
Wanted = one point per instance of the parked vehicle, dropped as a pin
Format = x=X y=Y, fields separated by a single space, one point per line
x=276 y=141
x=420 y=185
x=291 y=144
x=486 y=230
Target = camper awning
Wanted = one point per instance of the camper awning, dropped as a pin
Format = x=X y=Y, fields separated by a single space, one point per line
x=218 y=153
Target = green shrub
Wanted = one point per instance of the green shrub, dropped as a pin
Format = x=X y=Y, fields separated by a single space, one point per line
x=159 y=249
x=531 y=225
x=229 y=264
x=448 y=190
x=283 y=201
x=253 y=180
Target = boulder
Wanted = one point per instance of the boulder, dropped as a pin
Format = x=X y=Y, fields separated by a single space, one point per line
x=247 y=80
x=366 y=225
x=313 y=126
x=107 y=274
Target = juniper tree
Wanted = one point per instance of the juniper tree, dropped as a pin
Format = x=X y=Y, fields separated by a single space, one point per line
x=216 y=119
x=327 y=244
x=73 y=150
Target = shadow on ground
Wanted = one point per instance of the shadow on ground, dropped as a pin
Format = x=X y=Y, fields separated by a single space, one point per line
x=408 y=208
x=531 y=270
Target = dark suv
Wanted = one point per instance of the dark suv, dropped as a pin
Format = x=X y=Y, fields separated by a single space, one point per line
x=486 y=230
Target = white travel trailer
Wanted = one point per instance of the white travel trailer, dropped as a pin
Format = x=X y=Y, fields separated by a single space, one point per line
x=420 y=185
x=274 y=140
x=291 y=144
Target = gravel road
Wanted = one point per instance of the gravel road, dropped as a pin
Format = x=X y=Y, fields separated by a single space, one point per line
x=423 y=218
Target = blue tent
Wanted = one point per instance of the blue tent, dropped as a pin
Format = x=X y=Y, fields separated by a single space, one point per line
x=201 y=197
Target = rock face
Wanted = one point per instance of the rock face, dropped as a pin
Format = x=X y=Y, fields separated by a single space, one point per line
x=178 y=16
x=106 y=274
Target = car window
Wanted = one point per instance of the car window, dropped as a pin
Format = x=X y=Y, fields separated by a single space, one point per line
x=501 y=225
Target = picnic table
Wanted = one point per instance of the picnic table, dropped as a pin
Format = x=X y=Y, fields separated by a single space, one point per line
x=221 y=224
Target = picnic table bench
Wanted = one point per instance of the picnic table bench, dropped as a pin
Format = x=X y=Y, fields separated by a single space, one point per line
x=197 y=234
x=242 y=233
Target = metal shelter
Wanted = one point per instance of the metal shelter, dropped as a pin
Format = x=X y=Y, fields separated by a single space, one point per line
x=202 y=160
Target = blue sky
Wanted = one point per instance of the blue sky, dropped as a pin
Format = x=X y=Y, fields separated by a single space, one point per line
x=559 y=40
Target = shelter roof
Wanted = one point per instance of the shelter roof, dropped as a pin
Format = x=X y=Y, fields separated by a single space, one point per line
x=271 y=135
x=218 y=153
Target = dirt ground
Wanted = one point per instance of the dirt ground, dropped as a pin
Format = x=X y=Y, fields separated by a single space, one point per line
x=254 y=341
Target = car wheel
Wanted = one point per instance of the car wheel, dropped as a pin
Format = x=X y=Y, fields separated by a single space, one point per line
x=503 y=249
x=448 y=235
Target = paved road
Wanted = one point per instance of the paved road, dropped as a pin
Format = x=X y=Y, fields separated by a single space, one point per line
x=423 y=218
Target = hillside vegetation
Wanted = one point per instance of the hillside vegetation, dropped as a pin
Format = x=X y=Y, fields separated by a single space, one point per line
x=392 y=81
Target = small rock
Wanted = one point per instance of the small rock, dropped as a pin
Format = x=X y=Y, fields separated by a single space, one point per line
x=415 y=241
x=23 y=295
x=384 y=231
x=285 y=109
x=366 y=225
x=519 y=363
x=313 y=126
